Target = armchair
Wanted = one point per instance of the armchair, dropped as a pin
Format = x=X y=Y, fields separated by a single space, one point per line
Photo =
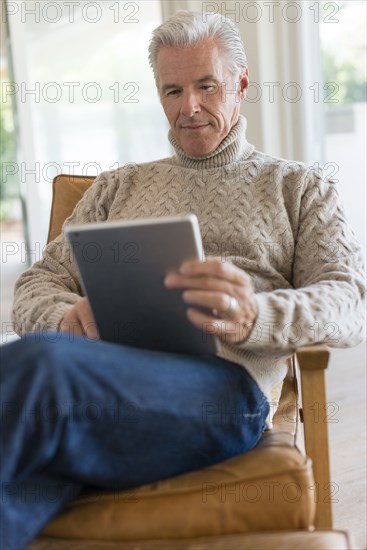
x=278 y=495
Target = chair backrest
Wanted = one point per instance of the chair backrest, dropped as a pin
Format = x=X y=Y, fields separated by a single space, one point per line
x=67 y=190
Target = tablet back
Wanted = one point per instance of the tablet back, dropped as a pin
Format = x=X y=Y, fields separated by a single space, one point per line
x=122 y=267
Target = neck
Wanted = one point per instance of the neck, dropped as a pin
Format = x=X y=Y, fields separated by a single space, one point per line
x=233 y=148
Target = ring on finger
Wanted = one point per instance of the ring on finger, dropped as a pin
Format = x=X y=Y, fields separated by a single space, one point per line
x=233 y=306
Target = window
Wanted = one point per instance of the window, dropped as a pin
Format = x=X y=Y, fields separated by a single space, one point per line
x=11 y=222
x=343 y=46
x=85 y=93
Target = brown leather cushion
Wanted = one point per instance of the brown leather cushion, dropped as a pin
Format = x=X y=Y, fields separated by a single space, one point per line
x=66 y=193
x=268 y=488
x=286 y=540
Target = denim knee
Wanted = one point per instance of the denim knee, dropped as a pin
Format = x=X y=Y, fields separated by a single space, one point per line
x=36 y=359
x=233 y=429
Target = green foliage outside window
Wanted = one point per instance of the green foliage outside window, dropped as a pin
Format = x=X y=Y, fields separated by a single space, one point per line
x=343 y=46
x=350 y=81
x=9 y=189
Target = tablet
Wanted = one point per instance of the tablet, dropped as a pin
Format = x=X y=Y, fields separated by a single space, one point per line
x=122 y=266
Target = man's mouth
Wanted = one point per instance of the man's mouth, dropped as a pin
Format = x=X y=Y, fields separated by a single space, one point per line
x=194 y=126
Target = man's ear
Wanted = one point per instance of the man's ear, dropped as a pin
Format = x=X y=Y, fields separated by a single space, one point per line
x=243 y=84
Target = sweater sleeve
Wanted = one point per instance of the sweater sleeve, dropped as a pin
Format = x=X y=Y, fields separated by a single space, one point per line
x=326 y=304
x=48 y=289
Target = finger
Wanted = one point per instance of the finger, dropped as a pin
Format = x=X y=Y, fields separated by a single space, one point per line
x=212 y=300
x=204 y=322
x=199 y=282
x=70 y=324
x=86 y=320
x=72 y=327
x=228 y=331
x=217 y=267
x=90 y=330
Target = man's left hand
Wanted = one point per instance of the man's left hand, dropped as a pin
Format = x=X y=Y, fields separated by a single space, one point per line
x=225 y=290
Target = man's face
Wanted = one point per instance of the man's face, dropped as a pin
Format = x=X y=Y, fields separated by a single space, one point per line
x=197 y=95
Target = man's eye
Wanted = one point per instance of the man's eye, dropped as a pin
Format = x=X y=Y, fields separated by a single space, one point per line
x=173 y=92
x=208 y=87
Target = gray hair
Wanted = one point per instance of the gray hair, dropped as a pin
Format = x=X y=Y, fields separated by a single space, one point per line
x=187 y=28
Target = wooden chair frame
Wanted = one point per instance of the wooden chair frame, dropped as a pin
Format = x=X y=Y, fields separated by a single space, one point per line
x=310 y=363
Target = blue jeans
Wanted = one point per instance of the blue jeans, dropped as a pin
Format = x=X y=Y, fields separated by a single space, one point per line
x=78 y=413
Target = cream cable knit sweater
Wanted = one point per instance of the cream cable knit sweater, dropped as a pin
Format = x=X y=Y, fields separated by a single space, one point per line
x=278 y=220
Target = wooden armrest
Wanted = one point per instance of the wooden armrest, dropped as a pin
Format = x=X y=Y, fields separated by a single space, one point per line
x=313 y=357
x=313 y=361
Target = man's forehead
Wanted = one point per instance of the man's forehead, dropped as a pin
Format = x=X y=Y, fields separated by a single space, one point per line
x=194 y=63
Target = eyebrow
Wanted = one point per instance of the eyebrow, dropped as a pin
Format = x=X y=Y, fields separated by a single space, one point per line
x=198 y=81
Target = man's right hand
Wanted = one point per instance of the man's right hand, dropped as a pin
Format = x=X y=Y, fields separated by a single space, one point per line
x=79 y=321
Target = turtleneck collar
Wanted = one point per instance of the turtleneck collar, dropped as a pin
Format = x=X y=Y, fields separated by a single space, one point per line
x=233 y=148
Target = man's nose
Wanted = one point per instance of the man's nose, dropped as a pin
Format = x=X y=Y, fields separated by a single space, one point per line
x=190 y=104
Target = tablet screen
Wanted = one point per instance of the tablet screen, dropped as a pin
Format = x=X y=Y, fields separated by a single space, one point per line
x=122 y=266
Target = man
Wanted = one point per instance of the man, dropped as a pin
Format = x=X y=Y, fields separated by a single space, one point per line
x=270 y=279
